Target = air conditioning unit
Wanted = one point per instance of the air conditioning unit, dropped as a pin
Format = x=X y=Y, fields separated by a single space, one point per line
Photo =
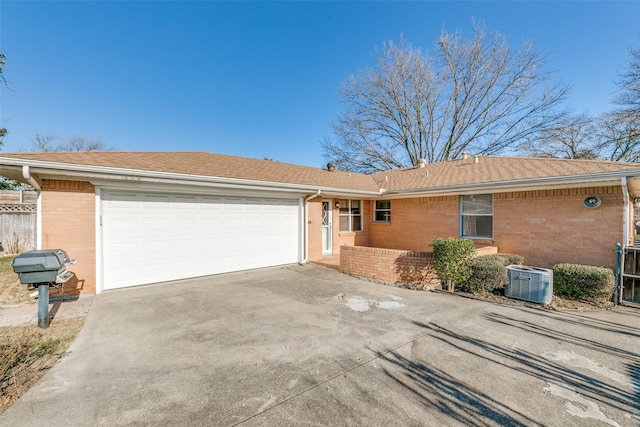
x=530 y=283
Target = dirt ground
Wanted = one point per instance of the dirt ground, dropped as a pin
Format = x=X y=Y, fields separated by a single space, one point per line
x=12 y=292
x=27 y=352
x=557 y=303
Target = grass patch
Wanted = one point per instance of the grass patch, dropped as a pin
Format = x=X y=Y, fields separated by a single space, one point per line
x=12 y=292
x=27 y=352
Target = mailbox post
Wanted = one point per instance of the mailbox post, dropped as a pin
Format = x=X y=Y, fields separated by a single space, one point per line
x=43 y=306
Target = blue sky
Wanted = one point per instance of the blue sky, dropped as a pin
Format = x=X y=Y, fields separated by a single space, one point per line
x=258 y=79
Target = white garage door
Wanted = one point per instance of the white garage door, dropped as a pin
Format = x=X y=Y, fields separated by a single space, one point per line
x=150 y=238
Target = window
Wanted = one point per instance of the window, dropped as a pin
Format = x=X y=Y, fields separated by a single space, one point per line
x=382 y=211
x=350 y=215
x=476 y=216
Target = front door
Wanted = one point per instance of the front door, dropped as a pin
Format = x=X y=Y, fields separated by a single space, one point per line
x=327 y=244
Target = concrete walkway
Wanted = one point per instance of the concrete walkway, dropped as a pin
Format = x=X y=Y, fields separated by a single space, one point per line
x=309 y=346
x=27 y=314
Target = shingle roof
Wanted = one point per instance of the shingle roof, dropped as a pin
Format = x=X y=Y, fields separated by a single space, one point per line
x=208 y=165
x=487 y=169
x=493 y=169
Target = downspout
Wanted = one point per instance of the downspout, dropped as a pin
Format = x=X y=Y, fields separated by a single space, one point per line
x=306 y=226
x=26 y=174
x=626 y=219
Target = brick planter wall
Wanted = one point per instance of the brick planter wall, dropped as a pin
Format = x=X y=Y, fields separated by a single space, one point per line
x=391 y=265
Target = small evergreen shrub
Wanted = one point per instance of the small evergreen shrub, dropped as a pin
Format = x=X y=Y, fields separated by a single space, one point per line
x=505 y=259
x=583 y=281
x=452 y=260
x=488 y=273
x=511 y=259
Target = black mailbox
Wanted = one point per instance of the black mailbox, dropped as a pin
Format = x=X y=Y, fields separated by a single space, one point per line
x=44 y=266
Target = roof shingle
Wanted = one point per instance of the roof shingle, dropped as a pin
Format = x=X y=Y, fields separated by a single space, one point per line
x=208 y=165
x=493 y=169
x=473 y=170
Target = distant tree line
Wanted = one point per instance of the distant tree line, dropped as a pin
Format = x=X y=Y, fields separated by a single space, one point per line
x=47 y=142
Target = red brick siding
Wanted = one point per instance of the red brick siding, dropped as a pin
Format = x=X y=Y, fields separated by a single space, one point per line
x=314 y=227
x=546 y=227
x=416 y=222
x=360 y=238
x=68 y=222
x=388 y=264
x=554 y=226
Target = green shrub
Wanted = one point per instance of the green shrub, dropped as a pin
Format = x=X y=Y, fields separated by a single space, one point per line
x=488 y=273
x=452 y=259
x=511 y=259
x=505 y=259
x=583 y=281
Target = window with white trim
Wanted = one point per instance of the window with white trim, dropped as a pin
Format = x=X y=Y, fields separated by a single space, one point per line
x=382 y=211
x=350 y=215
x=476 y=216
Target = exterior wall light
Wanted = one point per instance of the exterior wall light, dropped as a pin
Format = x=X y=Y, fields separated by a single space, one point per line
x=592 y=202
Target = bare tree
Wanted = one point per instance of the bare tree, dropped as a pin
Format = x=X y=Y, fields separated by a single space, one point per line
x=572 y=138
x=3 y=82
x=82 y=143
x=619 y=134
x=42 y=141
x=619 y=131
x=628 y=84
x=478 y=95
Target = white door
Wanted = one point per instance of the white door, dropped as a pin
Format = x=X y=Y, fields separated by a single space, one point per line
x=327 y=219
x=148 y=238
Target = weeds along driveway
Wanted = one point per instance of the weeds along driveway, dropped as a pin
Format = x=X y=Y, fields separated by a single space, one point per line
x=309 y=346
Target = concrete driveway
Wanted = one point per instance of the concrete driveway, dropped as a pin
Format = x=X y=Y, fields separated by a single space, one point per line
x=309 y=346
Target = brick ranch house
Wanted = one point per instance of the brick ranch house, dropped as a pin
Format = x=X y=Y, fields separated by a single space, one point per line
x=134 y=218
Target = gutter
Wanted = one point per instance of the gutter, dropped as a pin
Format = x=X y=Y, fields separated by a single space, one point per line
x=128 y=175
x=306 y=226
x=26 y=174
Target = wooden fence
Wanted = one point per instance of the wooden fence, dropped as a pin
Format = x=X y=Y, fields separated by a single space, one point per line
x=17 y=221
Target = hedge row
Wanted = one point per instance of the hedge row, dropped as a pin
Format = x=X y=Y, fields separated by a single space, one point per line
x=457 y=268
x=488 y=272
x=572 y=280
x=583 y=281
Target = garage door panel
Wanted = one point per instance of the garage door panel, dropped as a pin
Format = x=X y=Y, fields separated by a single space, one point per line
x=186 y=225
x=149 y=238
